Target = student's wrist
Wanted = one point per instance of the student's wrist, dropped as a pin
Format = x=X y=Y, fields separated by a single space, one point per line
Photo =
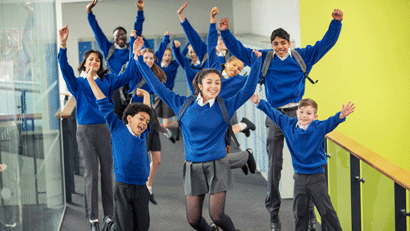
x=63 y=45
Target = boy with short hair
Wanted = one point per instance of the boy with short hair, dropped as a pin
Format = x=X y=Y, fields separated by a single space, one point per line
x=131 y=162
x=305 y=137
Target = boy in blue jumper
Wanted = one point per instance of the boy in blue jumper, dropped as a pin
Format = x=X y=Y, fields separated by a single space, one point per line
x=131 y=162
x=285 y=87
x=305 y=137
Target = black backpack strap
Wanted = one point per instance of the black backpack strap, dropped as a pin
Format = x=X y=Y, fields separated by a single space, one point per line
x=184 y=106
x=265 y=66
x=295 y=54
x=227 y=56
x=204 y=60
x=139 y=85
x=227 y=119
x=111 y=52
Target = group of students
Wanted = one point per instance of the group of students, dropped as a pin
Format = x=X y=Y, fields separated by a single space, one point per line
x=207 y=120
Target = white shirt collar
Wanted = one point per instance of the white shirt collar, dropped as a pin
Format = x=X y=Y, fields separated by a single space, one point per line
x=84 y=75
x=196 y=63
x=226 y=76
x=130 y=130
x=222 y=53
x=118 y=47
x=201 y=102
x=163 y=64
x=285 y=56
x=304 y=127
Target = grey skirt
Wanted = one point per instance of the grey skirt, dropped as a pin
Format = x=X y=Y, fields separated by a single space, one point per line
x=161 y=108
x=207 y=177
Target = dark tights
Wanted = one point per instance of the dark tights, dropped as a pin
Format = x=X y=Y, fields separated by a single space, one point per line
x=216 y=212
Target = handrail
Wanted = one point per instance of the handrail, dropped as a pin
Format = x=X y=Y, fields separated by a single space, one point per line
x=381 y=164
x=67 y=109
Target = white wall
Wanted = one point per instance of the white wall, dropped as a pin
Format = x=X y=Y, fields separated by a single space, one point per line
x=160 y=16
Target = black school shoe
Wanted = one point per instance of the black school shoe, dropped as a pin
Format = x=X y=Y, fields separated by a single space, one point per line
x=245 y=169
x=251 y=161
x=248 y=123
x=152 y=200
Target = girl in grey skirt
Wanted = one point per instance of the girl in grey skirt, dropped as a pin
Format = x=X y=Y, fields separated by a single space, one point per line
x=206 y=170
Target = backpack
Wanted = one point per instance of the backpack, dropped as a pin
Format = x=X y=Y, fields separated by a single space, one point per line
x=126 y=98
x=225 y=114
x=111 y=52
x=294 y=54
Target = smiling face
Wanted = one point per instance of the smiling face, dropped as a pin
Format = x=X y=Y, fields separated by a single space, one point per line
x=149 y=58
x=92 y=61
x=192 y=54
x=306 y=114
x=167 y=57
x=120 y=37
x=280 y=46
x=233 y=67
x=139 y=122
x=210 y=86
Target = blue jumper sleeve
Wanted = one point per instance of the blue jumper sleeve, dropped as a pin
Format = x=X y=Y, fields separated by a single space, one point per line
x=247 y=90
x=99 y=35
x=185 y=50
x=236 y=48
x=193 y=37
x=107 y=109
x=130 y=74
x=213 y=58
x=161 y=49
x=139 y=22
x=173 y=100
x=281 y=120
x=312 y=54
x=68 y=72
x=331 y=123
x=186 y=65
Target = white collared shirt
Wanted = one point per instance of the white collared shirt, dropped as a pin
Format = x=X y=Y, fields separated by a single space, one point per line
x=163 y=64
x=222 y=53
x=130 y=130
x=196 y=63
x=84 y=75
x=225 y=75
x=118 y=47
x=285 y=56
x=304 y=127
x=201 y=102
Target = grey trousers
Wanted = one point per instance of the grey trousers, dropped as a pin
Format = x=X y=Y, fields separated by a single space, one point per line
x=274 y=148
x=313 y=188
x=94 y=144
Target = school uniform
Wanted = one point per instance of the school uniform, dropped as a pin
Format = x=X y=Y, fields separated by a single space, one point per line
x=305 y=143
x=285 y=87
x=131 y=169
x=93 y=137
x=204 y=129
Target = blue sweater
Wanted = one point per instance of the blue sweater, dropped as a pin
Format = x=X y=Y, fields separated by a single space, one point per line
x=305 y=146
x=87 y=109
x=172 y=68
x=130 y=156
x=120 y=56
x=285 y=81
x=195 y=40
x=203 y=128
x=185 y=63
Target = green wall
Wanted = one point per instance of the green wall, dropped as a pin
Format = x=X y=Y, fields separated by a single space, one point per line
x=369 y=65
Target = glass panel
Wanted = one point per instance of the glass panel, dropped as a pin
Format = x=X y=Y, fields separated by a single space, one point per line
x=377 y=196
x=31 y=187
x=339 y=183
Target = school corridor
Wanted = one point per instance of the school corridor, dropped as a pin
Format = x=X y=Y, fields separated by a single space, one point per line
x=245 y=203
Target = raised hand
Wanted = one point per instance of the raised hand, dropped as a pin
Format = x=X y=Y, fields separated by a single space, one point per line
x=214 y=12
x=63 y=33
x=138 y=44
x=134 y=34
x=141 y=92
x=140 y=5
x=255 y=99
x=337 y=14
x=177 y=43
x=257 y=53
x=166 y=33
x=346 y=110
x=181 y=10
x=91 y=73
x=3 y=167
x=223 y=24
x=91 y=5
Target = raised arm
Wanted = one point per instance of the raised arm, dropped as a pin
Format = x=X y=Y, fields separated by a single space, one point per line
x=146 y=95
x=102 y=40
x=185 y=64
x=248 y=89
x=277 y=117
x=66 y=69
x=312 y=54
x=333 y=121
x=234 y=46
x=131 y=73
x=185 y=50
x=140 y=18
x=161 y=49
x=213 y=58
